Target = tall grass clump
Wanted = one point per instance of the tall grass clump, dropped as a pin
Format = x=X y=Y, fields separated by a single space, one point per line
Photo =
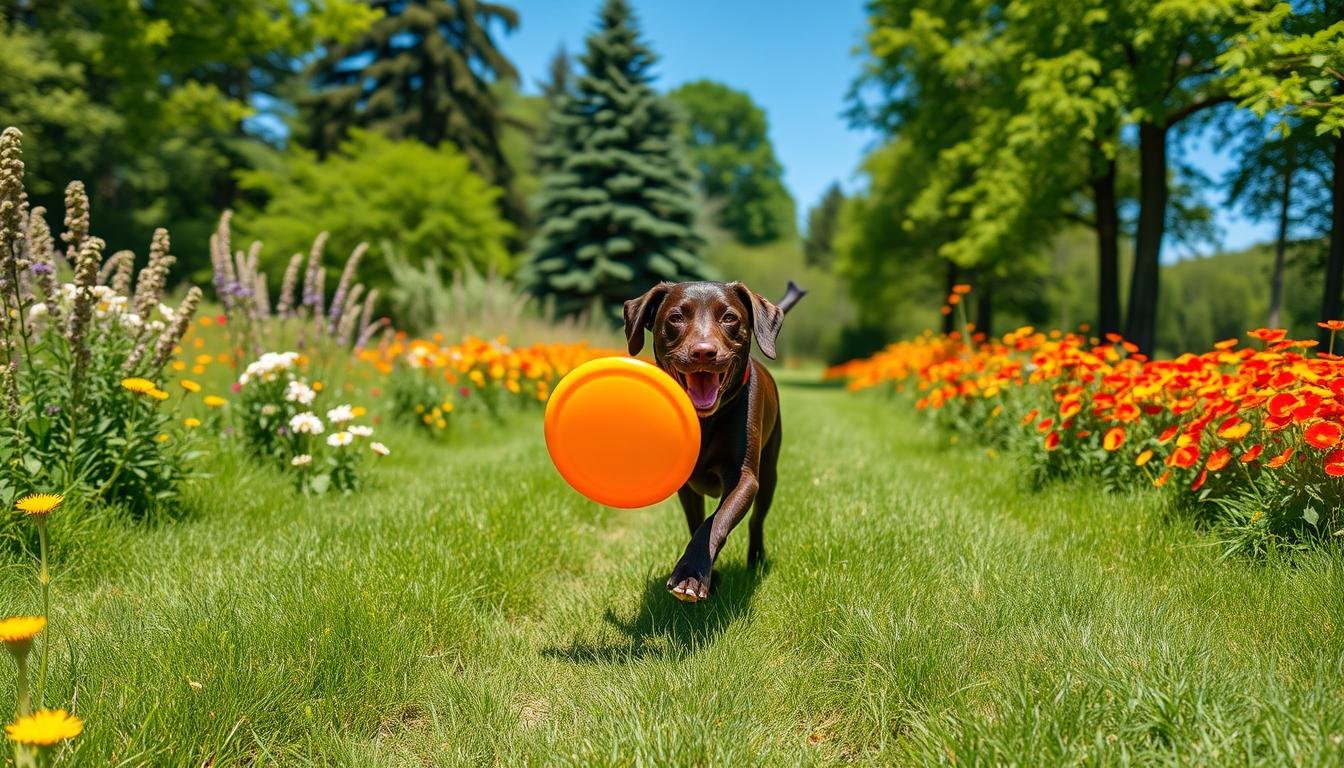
x=84 y=342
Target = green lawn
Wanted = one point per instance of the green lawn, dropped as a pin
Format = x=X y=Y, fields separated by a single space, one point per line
x=920 y=605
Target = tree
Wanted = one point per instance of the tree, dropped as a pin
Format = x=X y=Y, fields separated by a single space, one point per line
x=1291 y=62
x=557 y=87
x=423 y=202
x=425 y=71
x=618 y=215
x=727 y=138
x=1285 y=178
x=822 y=220
x=152 y=103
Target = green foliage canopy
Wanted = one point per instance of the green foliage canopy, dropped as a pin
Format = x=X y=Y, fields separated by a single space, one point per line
x=422 y=201
x=727 y=138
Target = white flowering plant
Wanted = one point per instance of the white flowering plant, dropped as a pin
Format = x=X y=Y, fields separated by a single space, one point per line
x=280 y=422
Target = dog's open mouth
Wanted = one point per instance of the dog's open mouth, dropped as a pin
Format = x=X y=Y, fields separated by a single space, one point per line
x=702 y=386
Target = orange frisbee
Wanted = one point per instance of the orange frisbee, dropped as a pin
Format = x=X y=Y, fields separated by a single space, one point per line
x=622 y=432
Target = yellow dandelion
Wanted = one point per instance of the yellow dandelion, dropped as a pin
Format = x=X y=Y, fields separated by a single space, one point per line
x=198 y=369
x=158 y=394
x=190 y=386
x=39 y=504
x=317 y=386
x=163 y=437
x=138 y=385
x=17 y=632
x=1143 y=458
x=179 y=365
x=191 y=422
x=359 y=410
x=44 y=728
x=213 y=401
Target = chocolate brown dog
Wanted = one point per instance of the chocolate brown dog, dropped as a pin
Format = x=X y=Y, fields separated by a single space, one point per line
x=702 y=336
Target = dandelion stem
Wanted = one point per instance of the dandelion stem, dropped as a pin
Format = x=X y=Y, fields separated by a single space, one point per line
x=25 y=704
x=44 y=577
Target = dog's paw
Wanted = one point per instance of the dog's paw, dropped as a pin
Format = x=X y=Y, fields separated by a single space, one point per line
x=690 y=584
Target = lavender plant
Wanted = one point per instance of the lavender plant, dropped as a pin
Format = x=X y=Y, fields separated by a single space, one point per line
x=83 y=346
x=301 y=316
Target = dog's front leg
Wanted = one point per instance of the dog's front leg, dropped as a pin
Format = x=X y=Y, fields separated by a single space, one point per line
x=690 y=580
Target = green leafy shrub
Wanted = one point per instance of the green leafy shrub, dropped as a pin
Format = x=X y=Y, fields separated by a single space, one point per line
x=80 y=406
x=418 y=198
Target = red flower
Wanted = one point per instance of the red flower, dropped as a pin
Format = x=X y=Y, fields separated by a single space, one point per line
x=1282 y=404
x=1199 y=481
x=1115 y=437
x=1334 y=464
x=1185 y=457
x=1332 y=325
x=1052 y=441
x=1268 y=335
x=1252 y=453
x=1323 y=434
x=1168 y=433
x=1030 y=417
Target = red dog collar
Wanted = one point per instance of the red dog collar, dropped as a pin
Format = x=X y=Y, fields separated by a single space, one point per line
x=746 y=375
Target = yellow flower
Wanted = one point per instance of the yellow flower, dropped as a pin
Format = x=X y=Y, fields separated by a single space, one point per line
x=158 y=394
x=178 y=365
x=39 y=504
x=190 y=386
x=44 y=728
x=213 y=401
x=317 y=386
x=17 y=632
x=359 y=410
x=138 y=385
x=192 y=422
x=163 y=437
x=1143 y=458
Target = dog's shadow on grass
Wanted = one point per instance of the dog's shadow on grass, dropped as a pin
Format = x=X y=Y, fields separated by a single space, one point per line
x=665 y=627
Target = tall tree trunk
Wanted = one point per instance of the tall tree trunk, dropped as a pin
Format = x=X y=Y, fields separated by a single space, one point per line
x=984 y=309
x=1334 y=262
x=949 y=320
x=1108 y=249
x=1142 y=321
x=1281 y=244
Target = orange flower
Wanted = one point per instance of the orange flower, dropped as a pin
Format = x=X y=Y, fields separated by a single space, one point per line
x=1070 y=408
x=1268 y=335
x=1252 y=453
x=1185 y=457
x=961 y=288
x=1332 y=325
x=1323 y=434
x=1281 y=459
x=954 y=299
x=1045 y=425
x=1162 y=480
x=1115 y=437
x=1030 y=417
x=1218 y=459
x=1234 y=429
x=1168 y=433
x=1052 y=441
x=1282 y=404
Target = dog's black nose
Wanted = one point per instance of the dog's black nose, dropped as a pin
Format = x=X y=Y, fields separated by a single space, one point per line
x=702 y=352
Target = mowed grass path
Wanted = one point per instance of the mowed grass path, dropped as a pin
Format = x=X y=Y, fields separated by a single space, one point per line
x=920 y=605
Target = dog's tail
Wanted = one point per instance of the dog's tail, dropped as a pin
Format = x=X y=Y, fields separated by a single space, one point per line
x=792 y=295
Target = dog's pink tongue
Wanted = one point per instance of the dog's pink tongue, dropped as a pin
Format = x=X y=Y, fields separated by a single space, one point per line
x=703 y=387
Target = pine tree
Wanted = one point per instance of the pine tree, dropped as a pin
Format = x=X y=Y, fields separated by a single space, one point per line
x=822 y=221
x=424 y=71
x=618 y=215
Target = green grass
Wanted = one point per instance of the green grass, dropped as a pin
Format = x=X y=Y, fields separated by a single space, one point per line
x=920 y=605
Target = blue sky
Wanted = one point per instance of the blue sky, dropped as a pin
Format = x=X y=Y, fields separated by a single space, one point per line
x=796 y=59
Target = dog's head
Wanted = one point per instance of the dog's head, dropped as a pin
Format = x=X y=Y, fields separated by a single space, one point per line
x=702 y=335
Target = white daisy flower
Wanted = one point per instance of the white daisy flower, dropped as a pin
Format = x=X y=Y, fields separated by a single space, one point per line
x=340 y=439
x=298 y=392
x=306 y=424
x=302 y=460
x=341 y=414
x=361 y=430
x=379 y=448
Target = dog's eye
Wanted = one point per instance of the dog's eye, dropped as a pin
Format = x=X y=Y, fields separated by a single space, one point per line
x=675 y=316
x=729 y=318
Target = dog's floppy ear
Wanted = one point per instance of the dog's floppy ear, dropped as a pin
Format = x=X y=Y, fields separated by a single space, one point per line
x=639 y=315
x=766 y=318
